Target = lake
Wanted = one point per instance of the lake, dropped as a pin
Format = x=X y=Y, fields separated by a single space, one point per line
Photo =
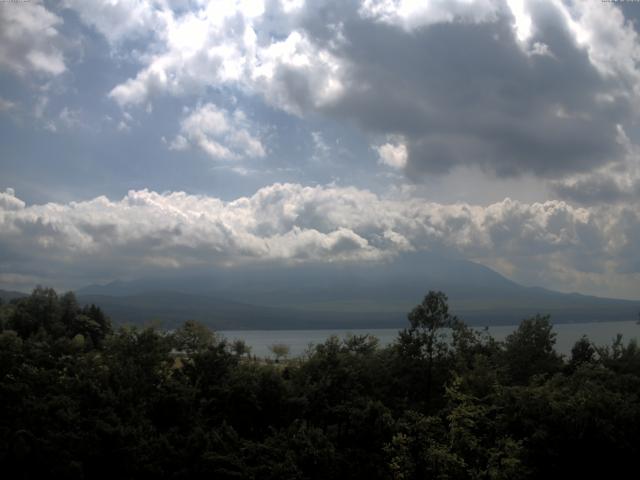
x=299 y=340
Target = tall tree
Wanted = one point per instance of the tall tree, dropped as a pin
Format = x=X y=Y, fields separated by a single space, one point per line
x=530 y=350
x=425 y=341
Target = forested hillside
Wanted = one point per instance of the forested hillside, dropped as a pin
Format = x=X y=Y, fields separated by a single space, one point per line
x=82 y=400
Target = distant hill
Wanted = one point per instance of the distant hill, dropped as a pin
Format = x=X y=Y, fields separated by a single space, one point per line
x=344 y=296
x=170 y=309
x=8 y=295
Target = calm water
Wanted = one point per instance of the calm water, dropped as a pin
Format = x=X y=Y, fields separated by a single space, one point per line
x=299 y=340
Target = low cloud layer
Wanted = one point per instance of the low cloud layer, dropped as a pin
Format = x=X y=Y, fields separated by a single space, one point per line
x=287 y=223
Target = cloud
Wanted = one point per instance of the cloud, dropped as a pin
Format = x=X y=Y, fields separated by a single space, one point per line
x=70 y=118
x=615 y=182
x=218 y=133
x=234 y=46
x=6 y=105
x=513 y=87
x=117 y=20
x=468 y=92
x=204 y=46
x=517 y=89
x=30 y=40
x=410 y=15
x=392 y=155
x=9 y=202
x=321 y=149
x=290 y=223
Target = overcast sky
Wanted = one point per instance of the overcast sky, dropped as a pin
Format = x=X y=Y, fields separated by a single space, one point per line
x=142 y=137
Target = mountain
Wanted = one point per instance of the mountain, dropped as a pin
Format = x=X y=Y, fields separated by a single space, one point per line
x=170 y=309
x=343 y=296
x=8 y=295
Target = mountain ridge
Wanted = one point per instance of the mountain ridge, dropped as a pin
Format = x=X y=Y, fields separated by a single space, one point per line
x=346 y=296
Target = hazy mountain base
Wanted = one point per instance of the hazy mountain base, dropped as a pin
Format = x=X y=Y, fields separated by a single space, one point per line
x=343 y=296
x=171 y=308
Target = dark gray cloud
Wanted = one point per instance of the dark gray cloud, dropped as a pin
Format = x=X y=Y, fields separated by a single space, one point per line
x=614 y=183
x=598 y=189
x=469 y=93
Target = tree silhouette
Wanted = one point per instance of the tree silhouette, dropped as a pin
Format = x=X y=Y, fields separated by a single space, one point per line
x=425 y=341
x=280 y=350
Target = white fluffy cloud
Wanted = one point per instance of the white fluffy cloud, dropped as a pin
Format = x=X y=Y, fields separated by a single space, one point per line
x=411 y=14
x=118 y=19
x=393 y=154
x=549 y=241
x=232 y=43
x=218 y=133
x=30 y=39
x=9 y=202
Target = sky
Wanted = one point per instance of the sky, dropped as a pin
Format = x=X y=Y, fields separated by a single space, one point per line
x=144 y=137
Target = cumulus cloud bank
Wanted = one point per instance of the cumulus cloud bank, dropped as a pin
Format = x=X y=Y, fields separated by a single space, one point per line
x=289 y=223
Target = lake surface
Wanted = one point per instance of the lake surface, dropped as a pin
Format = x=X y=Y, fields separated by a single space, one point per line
x=299 y=340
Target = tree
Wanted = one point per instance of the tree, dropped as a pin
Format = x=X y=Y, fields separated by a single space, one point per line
x=425 y=341
x=240 y=347
x=582 y=352
x=280 y=350
x=101 y=325
x=427 y=321
x=621 y=358
x=361 y=344
x=530 y=350
x=420 y=448
x=193 y=337
x=39 y=312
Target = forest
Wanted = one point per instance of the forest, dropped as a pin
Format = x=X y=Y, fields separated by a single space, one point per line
x=83 y=399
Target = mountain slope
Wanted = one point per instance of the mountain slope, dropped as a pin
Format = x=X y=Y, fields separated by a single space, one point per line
x=8 y=295
x=348 y=296
x=170 y=309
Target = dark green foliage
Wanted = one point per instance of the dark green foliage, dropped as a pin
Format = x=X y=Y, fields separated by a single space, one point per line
x=529 y=350
x=444 y=402
x=583 y=352
x=46 y=316
x=193 y=337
